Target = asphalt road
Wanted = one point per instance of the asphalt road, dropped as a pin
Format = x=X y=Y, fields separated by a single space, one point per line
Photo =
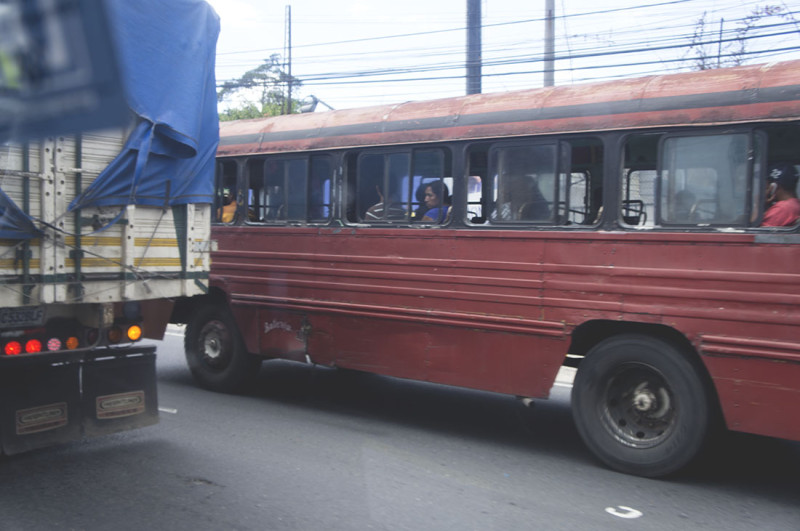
x=315 y=448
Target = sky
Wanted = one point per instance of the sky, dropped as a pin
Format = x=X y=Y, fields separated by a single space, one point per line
x=354 y=53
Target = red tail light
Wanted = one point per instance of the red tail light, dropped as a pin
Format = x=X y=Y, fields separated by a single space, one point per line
x=13 y=348
x=32 y=346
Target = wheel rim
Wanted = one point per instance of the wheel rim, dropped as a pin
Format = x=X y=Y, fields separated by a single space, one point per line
x=215 y=345
x=639 y=407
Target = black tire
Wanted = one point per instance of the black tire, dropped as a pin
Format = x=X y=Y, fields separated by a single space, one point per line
x=216 y=354
x=641 y=405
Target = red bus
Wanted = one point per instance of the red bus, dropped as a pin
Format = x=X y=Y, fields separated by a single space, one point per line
x=614 y=227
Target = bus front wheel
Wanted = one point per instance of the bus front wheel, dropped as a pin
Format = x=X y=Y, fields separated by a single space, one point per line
x=640 y=405
x=215 y=352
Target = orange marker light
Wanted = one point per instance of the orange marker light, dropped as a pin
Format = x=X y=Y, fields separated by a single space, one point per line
x=135 y=333
x=72 y=343
x=114 y=335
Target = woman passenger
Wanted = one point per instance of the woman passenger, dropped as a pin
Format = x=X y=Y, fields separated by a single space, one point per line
x=437 y=201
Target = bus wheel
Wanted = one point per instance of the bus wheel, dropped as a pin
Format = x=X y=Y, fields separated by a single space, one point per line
x=215 y=352
x=640 y=405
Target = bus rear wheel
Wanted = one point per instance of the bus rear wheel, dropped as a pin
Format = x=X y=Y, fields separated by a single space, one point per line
x=640 y=405
x=216 y=354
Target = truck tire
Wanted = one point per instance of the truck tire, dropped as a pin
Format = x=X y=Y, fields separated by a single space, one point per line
x=216 y=354
x=641 y=405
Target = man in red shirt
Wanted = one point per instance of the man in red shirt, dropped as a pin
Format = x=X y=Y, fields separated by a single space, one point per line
x=783 y=207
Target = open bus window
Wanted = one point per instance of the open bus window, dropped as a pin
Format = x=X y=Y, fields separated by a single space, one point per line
x=225 y=199
x=474 y=195
x=584 y=183
x=638 y=200
x=580 y=200
x=291 y=190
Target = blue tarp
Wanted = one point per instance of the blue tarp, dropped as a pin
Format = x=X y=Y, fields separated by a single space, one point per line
x=14 y=223
x=166 y=52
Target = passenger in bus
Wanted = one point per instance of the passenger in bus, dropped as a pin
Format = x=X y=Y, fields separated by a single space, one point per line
x=419 y=195
x=437 y=201
x=522 y=200
x=783 y=206
x=383 y=209
x=685 y=206
x=228 y=210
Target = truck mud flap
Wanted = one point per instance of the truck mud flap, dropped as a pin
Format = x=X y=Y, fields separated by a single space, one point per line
x=39 y=406
x=45 y=404
x=119 y=394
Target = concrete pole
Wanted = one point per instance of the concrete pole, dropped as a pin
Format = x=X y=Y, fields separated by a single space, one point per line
x=474 y=46
x=549 y=43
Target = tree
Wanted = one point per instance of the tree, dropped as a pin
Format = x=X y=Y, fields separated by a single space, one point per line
x=259 y=92
x=712 y=51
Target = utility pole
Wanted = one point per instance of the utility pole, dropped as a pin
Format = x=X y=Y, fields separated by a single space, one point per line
x=549 y=43
x=288 y=106
x=474 y=46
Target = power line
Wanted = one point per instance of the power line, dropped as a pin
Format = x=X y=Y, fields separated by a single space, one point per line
x=462 y=28
x=680 y=43
x=597 y=53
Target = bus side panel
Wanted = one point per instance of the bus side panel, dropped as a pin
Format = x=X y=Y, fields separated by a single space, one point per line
x=513 y=363
x=759 y=396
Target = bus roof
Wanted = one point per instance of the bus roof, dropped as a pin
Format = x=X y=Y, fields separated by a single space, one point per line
x=769 y=92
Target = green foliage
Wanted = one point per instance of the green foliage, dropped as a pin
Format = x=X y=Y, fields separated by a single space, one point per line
x=259 y=92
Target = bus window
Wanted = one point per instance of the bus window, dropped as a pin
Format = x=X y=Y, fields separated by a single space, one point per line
x=583 y=186
x=290 y=190
x=273 y=193
x=392 y=186
x=379 y=186
x=225 y=192
x=429 y=169
x=320 y=203
x=254 y=175
x=296 y=180
x=580 y=211
x=637 y=202
x=525 y=183
x=265 y=190
x=704 y=180
x=474 y=203
x=479 y=187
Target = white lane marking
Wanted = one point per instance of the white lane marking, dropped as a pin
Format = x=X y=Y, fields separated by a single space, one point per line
x=171 y=410
x=625 y=512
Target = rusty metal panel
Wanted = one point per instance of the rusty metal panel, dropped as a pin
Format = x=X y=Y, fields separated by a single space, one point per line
x=762 y=92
